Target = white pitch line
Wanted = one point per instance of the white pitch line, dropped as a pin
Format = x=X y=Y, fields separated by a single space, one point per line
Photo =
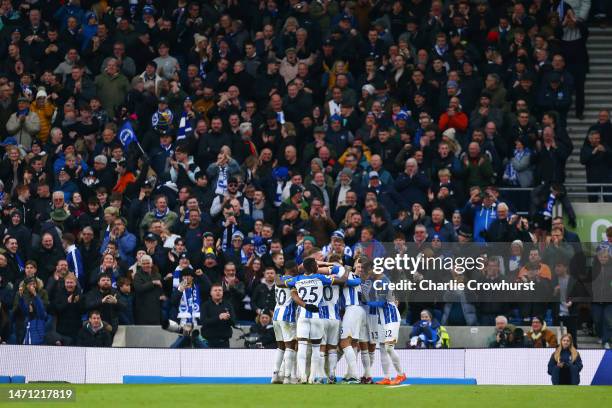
x=398 y=386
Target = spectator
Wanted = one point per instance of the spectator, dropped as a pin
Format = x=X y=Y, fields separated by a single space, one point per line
x=31 y=307
x=68 y=306
x=602 y=295
x=263 y=294
x=94 y=333
x=565 y=363
x=424 y=332
x=540 y=336
x=595 y=156
x=148 y=293
x=217 y=318
x=502 y=335
x=104 y=298
x=263 y=330
x=24 y=124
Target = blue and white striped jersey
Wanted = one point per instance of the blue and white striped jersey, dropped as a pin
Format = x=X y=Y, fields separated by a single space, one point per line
x=383 y=301
x=351 y=295
x=285 y=308
x=330 y=308
x=310 y=290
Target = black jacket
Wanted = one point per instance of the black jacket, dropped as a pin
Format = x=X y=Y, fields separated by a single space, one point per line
x=264 y=297
x=147 y=306
x=69 y=313
x=212 y=326
x=109 y=311
x=88 y=338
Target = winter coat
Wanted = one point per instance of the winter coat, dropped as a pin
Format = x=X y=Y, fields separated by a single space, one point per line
x=35 y=320
x=482 y=219
x=598 y=165
x=147 y=306
x=111 y=90
x=263 y=297
x=69 y=315
x=126 y=244
x=90 y=338
x=25 y=131
x=44 y=116
x=574 y=368
x=109 y=311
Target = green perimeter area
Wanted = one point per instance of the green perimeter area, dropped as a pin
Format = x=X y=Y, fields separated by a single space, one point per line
x=313 y=396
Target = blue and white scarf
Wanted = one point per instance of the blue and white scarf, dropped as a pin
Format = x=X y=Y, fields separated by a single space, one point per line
x=189 y=308
x=278 y=200
x=549 y=206
x=184 y=127
x=221 y=181
x=176 y=276
x=510 y=174
x=160 y=215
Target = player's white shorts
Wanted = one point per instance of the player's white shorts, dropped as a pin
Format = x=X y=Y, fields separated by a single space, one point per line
x=284 y=331
x=354 y=324
x=372 y=327
x=388 y=332
x=308 y=328
x=331 y=332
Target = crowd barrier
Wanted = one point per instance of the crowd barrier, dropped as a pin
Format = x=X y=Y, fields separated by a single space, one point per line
x=110 y=365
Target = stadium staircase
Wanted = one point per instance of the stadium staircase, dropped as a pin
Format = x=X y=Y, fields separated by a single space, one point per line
x=598 y=95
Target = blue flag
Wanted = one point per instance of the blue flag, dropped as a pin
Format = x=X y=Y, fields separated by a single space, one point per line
x=126 y=134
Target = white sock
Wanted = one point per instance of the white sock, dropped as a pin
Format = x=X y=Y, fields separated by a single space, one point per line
x=289 y=363
x=384 y=361
x=302 y=353
x=280 y=354
x=372 y=358
x=365 y=361
x=332 y=357
x=315 y=364
x=308 y=361
x=351 y=362
x=324 y=365
x=394 y=358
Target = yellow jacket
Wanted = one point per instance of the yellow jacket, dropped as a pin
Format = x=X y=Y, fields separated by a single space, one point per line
x=45 y=114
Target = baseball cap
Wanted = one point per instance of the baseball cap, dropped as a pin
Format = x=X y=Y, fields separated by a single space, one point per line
x=150 y=237
x=295 y=190
x=373 y=174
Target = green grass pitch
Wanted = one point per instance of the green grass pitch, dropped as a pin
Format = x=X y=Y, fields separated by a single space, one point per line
x=314 y=396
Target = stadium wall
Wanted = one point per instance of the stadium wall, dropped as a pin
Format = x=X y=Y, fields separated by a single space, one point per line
x=99 y=365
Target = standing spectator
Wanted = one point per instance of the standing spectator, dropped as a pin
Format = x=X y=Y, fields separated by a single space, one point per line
x=68 y=306
x=111 y=86
x=602 y=295
x=217 y=319
x=104 y=298
x=32 y=308
x=148 y=293
x=573 y=42
x=565 y=363
x=264 y=294
x=24 y=124
x=597 y=158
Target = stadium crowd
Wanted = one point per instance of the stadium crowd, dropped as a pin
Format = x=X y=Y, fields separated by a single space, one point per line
x=167 y=156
